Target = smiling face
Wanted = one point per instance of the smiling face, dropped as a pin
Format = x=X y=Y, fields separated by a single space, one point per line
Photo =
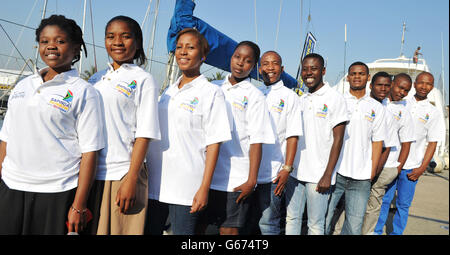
x=312 y=73
x=120 y=43
x=56 y=49
x=188 y=54
x=242 y=63
x=271 y=68
x=400 y=88
x=423 y=85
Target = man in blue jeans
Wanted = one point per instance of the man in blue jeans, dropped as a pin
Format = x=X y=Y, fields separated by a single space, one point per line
x=324 y=118
x=360 y=152
x=277 y=158
x=429 y=128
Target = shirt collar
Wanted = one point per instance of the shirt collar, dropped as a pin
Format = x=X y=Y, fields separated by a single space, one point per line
x=321 y=91
x=124 y=66
x=197 y=82
x=245 y=84
x=66 y=77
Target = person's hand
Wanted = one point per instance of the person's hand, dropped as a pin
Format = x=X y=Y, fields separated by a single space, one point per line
x=76 y=219
x=126 y=195
x=200 y=200
x=282 y=179
x=415 y=174
x=324 y=184
x=246 y=190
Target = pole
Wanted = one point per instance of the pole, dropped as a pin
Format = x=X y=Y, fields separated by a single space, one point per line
x=345 y=55
x=82 y=30
x=37 y=48
x=153 y=35
x=443 y=80
x=93 y=41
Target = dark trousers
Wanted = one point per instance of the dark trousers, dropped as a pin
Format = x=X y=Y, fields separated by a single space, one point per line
x=31 y=213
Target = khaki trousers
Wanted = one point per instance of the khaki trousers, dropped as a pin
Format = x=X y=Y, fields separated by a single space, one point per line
x=377 y=192
x=112 y=221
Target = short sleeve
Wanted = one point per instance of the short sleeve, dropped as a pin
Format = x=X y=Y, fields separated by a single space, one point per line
x=216 y=123
x=147 y=120
x=90 y=123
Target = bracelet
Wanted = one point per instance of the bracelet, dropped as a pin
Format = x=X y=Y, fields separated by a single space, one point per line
x=78 y=211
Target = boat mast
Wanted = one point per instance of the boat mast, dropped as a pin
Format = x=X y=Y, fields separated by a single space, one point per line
x=403 y=39
x=442 y=74
x=82 y=31
x=153 y=35
x=345 y=54
x=37 y=47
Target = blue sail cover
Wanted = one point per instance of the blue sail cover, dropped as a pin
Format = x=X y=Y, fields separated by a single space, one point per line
x=221 y=46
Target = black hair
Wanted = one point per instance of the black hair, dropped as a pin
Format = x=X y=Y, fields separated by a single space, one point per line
x=255 y=48
x=381 y=74
x=204 y=45
x=70 y=27
x=359 y=63
x=137 y=32
x=274 y=52
x=316 y=56
x=404 y=76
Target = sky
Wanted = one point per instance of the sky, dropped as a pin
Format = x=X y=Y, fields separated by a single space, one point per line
x=374 y=29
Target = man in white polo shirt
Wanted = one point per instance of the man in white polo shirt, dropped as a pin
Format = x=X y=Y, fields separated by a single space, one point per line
x=278 y=158
x=360 y=153
x=325 y=115
x=429 y=128
x=400 y=135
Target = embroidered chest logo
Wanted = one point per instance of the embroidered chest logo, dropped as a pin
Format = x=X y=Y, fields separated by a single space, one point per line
x=241 y=105
x=191 y=105
x=399 y=116
x=63 y=104
x=323 y=112
x=371 y=117
x=127 y=90
x=278 y=107
x=17 y=94
x=425 y=119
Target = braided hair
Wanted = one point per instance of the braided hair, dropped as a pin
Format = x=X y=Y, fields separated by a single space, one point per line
x=69 y=26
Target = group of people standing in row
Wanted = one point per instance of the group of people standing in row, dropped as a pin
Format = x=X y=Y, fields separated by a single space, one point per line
x=113 y=156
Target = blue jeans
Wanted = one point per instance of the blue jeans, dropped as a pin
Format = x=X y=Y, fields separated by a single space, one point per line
x=270 y=207
x=405 y=193
x=295 y=201
x=356 y=196
x=181 y=220
x=316 y=206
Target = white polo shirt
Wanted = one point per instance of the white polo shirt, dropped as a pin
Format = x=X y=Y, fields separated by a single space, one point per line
x=250 y=124
x=286 y=118
x=191 y=118
x=47 y=127
x=130 y=103
x=429 y=126
x=322 y=111
x=367 y=124
x=402 y=131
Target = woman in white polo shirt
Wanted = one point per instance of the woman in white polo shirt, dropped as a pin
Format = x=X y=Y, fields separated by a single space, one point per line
x=129 y=98
x=193 y=119
x=50 y=136
x=237 y=168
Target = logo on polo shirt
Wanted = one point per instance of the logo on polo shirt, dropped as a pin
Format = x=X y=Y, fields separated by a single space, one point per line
x=127 y=90
x=191 y=105
x=64 y=103
x=279 y=107
x=371 y=117
x=323 y=113
x=425 y=119
x=242 y=104
x=399 y=116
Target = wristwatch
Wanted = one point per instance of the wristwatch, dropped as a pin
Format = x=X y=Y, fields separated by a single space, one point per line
x=287 y=168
